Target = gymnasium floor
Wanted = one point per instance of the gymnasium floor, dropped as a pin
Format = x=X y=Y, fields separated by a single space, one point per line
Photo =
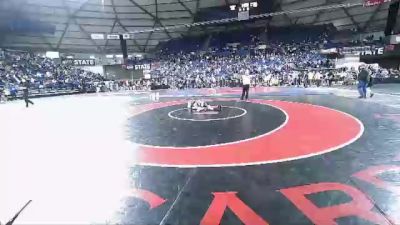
x=286 y=156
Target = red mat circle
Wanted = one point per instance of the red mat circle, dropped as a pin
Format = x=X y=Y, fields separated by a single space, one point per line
x=311 y=130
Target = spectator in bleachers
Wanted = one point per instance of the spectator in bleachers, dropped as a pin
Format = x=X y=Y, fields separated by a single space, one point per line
x=20 y=68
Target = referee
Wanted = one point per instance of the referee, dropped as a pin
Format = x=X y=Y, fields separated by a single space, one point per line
x=26 y=96
x=246 y=78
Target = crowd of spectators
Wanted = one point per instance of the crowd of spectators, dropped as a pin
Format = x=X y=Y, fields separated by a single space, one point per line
x=273 y=64
x=223 y=67
x=19 y=70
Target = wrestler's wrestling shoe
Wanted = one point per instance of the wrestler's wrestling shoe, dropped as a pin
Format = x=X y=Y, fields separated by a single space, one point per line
x=219 y=108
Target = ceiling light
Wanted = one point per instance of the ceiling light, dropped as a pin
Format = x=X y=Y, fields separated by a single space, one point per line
x=97 y=36
x=113 y=36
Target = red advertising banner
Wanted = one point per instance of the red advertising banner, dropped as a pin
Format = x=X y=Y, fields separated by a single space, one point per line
x=389 y=48
x=375 y=2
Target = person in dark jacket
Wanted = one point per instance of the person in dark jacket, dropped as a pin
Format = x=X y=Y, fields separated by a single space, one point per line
x=26 y=97
x=305 y=79
x=331 y=76
x=369 y=85
x=363 y=78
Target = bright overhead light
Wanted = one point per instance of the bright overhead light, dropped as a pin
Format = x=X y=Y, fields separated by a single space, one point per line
x=113 y=36
x=119 y=56
x=70 y=57
x=109 y=56
x=97 y=36
x=245 y=5
x=254 y=4
x=92 y=57
x=232 y=7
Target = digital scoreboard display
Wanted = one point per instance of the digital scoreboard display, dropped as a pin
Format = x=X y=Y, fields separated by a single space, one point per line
x=374 y=2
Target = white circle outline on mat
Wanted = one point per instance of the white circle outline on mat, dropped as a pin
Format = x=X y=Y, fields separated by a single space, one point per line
x=228 y=143
x=207 y=120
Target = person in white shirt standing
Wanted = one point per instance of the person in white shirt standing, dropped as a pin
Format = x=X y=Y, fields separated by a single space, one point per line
x=246 y=79
x=317 y=78
x=310 y=78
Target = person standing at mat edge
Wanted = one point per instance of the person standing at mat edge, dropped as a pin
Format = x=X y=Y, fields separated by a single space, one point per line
x=26 y=96
x=246 y=80
x=370 y=84
x=362 y=82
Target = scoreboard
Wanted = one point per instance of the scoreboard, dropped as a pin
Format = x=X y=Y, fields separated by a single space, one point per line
x=374 y=2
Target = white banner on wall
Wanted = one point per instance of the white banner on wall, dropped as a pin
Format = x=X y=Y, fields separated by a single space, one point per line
x=364 y=50
x=139 y=67
x=79 y=62
x=94 y=69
